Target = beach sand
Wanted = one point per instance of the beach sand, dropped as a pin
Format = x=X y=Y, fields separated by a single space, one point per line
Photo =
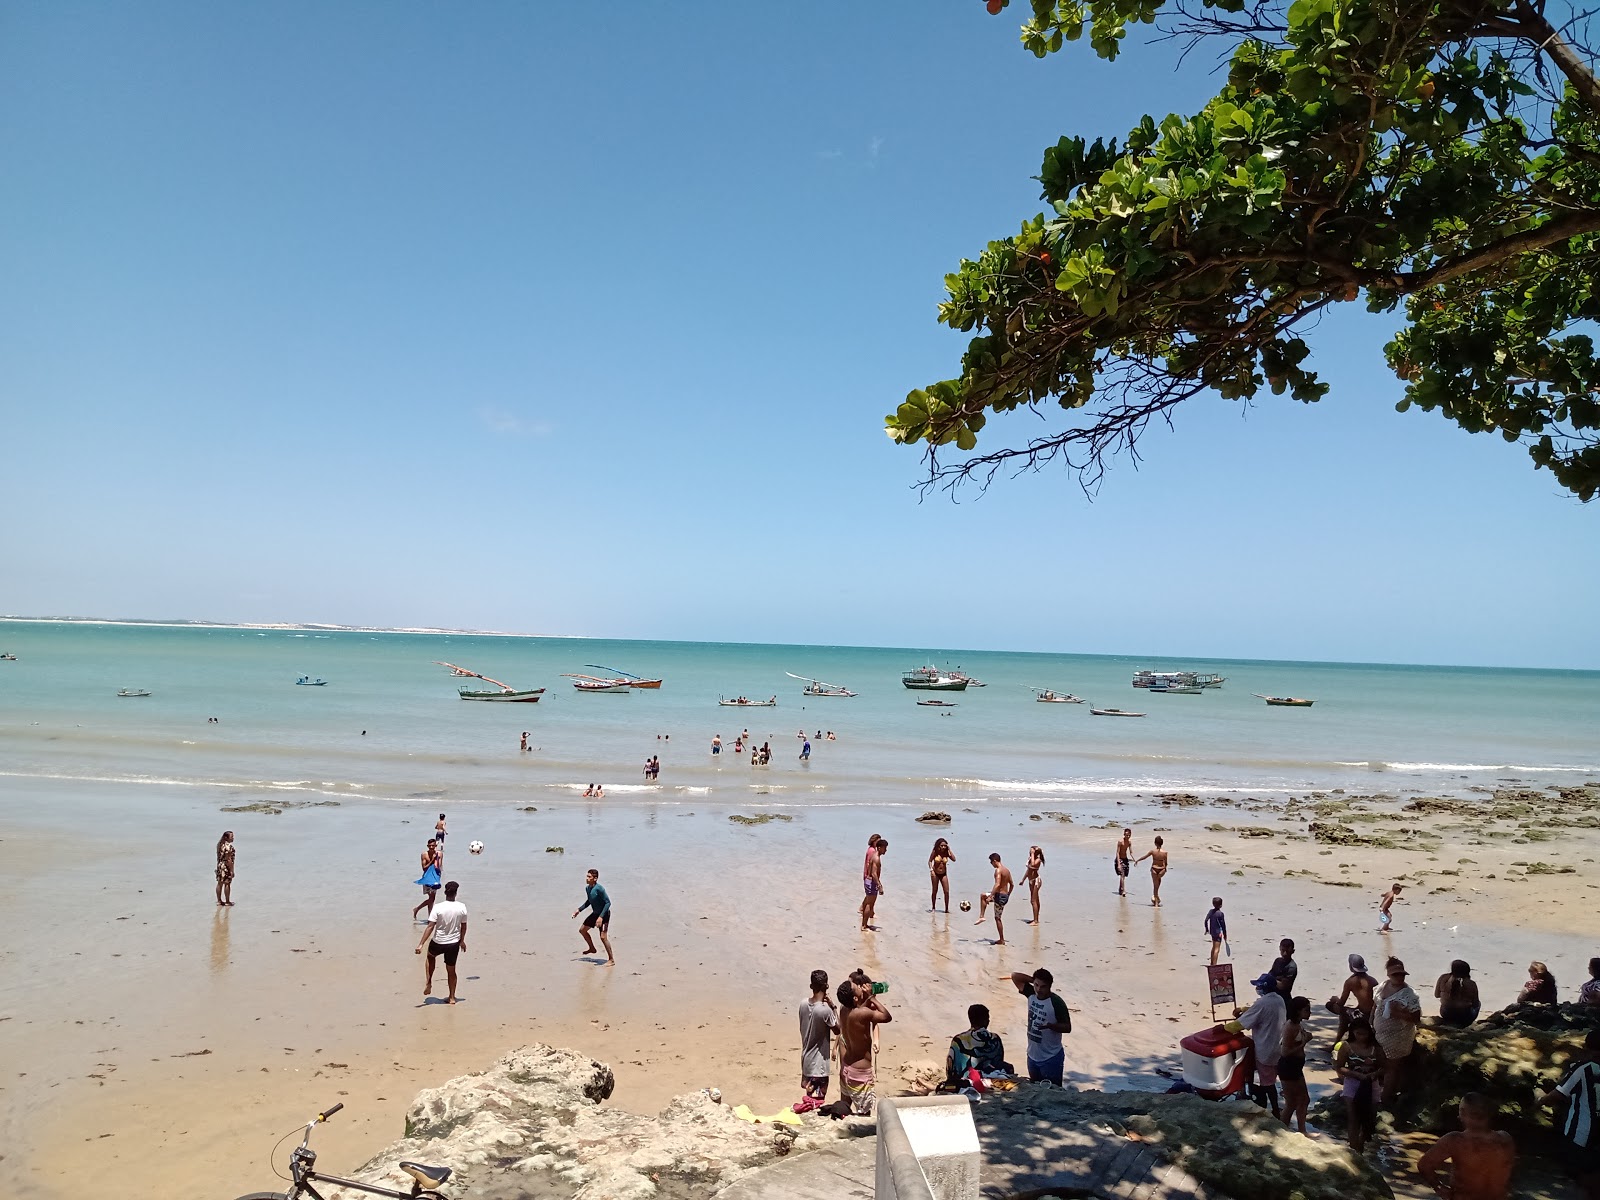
x=151 y=1036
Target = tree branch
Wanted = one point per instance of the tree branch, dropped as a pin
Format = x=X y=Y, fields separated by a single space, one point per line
x=1557 y=230
x=1536 y=29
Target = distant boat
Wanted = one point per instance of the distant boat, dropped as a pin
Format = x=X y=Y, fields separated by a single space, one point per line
x=742 y=702
x=593 y=683
x=131 y=693
x=936 y=703
x=1046 y=696
x=1285 y=701
x=1113 y=712
x=8 y=658
x=816 y=687
x=627 y=679
x=1174 y=680
x=929 y=679
x=506 y=695
x=307 y=681
x=1175 y=689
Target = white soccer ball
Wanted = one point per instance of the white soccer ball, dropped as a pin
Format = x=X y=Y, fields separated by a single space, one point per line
x=476 y=848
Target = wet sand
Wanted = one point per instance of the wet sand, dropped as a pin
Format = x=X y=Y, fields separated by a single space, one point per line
x=151 y=1036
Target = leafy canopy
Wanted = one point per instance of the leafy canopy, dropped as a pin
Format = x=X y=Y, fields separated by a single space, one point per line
x=1436 y=158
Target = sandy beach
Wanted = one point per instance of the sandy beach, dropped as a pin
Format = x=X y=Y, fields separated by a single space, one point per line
x=149 y=1031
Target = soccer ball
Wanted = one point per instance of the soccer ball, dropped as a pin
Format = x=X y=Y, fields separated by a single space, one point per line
x=966 y=906
x=475 y=848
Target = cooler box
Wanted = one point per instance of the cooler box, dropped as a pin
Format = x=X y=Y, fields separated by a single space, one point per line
x=1211 y=1058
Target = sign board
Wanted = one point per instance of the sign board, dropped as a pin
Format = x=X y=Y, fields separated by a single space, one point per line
x=1219 y=978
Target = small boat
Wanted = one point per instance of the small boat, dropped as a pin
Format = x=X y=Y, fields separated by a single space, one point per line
x=936 y=703
x=506 y=695
x=1046 y=696
x=1175 y=689
x=593 y=683
x=743 y=702
x=627 y=679
x=8 y=658
x=1285 y=701
x=1205 y=680
x=307 y=681
x=929 y=679
x=130 y=693
x=1113 y=712
x=816 y=687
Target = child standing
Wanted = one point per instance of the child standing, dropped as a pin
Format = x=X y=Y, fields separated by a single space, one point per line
x=1385 y=916
x=819 y=1019
x=1217 y=927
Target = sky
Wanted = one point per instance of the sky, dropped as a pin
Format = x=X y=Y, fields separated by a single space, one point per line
x=583 y=319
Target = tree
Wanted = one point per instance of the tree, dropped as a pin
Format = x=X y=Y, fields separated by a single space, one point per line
x=1439 y=158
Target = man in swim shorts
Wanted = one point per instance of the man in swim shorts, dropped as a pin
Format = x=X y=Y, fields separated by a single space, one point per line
x=599 y=918
x=872 y=879
x=445 y=937
x=999 y=897
x=860 y=1011
x=1122 y=861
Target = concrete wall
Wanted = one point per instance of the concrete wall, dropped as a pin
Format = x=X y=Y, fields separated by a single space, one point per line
x=927 y=1149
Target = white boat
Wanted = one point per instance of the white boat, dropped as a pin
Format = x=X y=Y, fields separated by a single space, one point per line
x=1176 y=679
x=1113 y=712
x=1046 y=696
x=307 y=681
x=816 y=687
x=132 y=693
x=1175 y=689
x=743 y=702
x=593 y=683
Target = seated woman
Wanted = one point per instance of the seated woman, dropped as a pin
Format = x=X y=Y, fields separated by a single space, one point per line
x=1541 y=986
x=1457 y=992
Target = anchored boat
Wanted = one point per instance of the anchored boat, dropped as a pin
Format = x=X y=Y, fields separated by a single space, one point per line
x=744 y=702
x=1046 y=696
x=506 y=695
x=1285 y=701
x=131 y=693
x=930 y=679
x=816 y=687
x=307 y=681
x=593 y=683
x=627 y=679
x=1113 y=712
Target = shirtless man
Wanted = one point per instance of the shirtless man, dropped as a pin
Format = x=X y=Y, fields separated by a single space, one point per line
x=1158 y=869
x=1480 y=1157
x=860 y=1013
x=1358 y=997
x=999 y=897
x=1122 y=861
x=872 y=879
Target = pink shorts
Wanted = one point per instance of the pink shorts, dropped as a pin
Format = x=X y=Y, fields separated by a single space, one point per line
x=1267 y=1075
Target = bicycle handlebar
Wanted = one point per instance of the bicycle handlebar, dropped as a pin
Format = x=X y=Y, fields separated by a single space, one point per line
x=325 y=1115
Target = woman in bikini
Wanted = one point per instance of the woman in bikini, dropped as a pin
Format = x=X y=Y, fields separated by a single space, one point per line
x=938 y=871
x=1292 y=1064
x=1031 y=878
x=225 y=869
x=431 y=861
x=1158 y=870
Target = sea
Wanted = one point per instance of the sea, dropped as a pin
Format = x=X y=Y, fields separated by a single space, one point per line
x=389 y=726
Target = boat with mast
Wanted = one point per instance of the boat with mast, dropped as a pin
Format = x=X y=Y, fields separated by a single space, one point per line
x=1285 y=701
x=1046 y=696
x=594 y=683
x=627 y=678
x=506 y=695
x=816 y=687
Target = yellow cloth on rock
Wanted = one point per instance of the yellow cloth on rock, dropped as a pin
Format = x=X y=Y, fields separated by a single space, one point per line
x=786 y=1117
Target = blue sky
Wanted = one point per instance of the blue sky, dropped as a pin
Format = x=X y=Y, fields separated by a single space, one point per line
x=584 y=319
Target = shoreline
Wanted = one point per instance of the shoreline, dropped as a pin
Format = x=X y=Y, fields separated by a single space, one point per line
x=236 y=1018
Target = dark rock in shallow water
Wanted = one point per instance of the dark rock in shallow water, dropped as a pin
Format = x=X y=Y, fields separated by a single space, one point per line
x=934 y=818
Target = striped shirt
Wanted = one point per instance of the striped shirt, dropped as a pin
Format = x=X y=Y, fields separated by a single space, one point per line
x=1582 y=1090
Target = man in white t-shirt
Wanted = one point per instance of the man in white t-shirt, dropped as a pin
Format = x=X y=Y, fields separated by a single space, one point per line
x=445 y=936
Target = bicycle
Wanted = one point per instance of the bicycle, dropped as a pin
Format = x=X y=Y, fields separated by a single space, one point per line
x=302 y=1170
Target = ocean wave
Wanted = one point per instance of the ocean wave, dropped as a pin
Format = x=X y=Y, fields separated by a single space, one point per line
x=1091 y=787
x=1555 y=768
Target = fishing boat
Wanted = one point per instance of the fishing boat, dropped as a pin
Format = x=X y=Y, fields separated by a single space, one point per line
x=131 y=693
x=744 y=702
x=936 y=703
x=1113 y=712
x=626 y=678
x=1170 y=680
x=1046 y=696
x=307 y=681
x=816 y=687
x=1175 y=689
x=593 y=683
x=8 y=658
x=1285 y=701
x=1205 y=680
x=930 y=679
x=506 y=695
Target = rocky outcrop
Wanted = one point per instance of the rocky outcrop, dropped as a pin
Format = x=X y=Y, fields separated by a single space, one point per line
x=535 y=1125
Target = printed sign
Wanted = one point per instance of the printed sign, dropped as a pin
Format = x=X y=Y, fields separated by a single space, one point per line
x=1220 y=979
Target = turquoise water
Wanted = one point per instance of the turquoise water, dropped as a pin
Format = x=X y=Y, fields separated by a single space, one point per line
x=1373 y=727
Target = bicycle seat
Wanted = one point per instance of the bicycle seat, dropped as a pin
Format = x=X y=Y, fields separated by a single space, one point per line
x=429 y=1177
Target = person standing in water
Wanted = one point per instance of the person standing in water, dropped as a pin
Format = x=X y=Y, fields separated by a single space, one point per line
x=1122 y=861
x=438 y=834
x=1158 y=870
x=599 y=918
x=431 y=862
x=225 y=870
x=1031 y=878
x=939 y=872
x=999 y=897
